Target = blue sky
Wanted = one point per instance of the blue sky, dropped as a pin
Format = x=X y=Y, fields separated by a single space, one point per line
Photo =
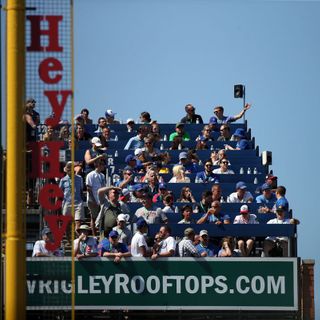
x=156 y=56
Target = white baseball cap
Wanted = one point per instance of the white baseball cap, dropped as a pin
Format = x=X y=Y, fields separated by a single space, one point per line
x=96 y=141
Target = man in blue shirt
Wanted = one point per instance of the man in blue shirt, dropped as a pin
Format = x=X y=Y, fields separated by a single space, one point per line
x=242 y=142
x=205 y=248
x=206 y=175
x=267 y=198
x=112 y=248
x=138 y=140
x=220 y=118
x=65 y=185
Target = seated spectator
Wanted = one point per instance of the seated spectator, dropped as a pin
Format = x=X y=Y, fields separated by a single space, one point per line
x=242 y=142
x=130 y=125
x=112 y=248
x=152 y=179
x=177 y=144
x=150 y=212
x=241 y=194
x=138 y=140
x=266 y=198
x=186 y=212
x=85 y=116
x=81 y=134
x=102 y=123
x=217 y=193
x=125 y=234
x=178 y=172
x=155 y=129
x=139 y=247
x=65 y=185
x=191 y=116
x=105 y=137
x=32 y=119
x=64 y=133
x=224 y=163
x=225 y=133
x=167 y=246
x=127 y=180
x=202 y=144
x=281 y=199
x=40 y=247
x=278 y=246
x=145 y=117
x=205 y=248
x=163 y=191
x=186 y=195
x=50 y=135
x=109 y=114
x=110 y=210
x=221 y=155
x=85 y=246
x=228 y=248
x=214 y=215
x=138 y=193
x=220 y=118
x=205 y=203
x=189 y=162
x=150 y=152
x=168 y=204
x=206 y=134
x=179 y=132
x=245 y=244
x=93 y=154
x=186 y=246
x=207 y=175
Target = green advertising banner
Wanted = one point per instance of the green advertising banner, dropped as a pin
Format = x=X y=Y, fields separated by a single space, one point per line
x=175 y=283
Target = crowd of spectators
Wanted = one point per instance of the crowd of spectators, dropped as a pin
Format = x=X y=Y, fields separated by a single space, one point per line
x=102 y=206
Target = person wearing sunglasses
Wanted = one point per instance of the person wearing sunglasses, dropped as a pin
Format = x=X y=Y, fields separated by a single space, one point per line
x=191 y=116
x=207 y=175
x=224 y=163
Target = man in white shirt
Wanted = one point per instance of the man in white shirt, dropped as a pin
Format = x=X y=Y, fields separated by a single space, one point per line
x=139 y=247
x=224 y=163
x=94 y=181
x=40 y=250
x=167 y=245
x=241 y=195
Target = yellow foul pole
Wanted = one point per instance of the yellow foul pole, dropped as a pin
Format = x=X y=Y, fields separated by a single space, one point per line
x=15 y=276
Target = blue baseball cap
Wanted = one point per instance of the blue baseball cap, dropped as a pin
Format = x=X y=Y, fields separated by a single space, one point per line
x=139 y=187
x=241 y=185
x=240 y=132
x=113 y=234
x=130 y=157
x=266 y=186
x=141 y=223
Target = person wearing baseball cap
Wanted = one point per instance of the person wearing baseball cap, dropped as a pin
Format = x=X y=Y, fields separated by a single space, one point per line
x=84 y=246
x=125 y=234
x=267 y=199
x=109 y=114
x=40 y=246
x=241 y=194
x=130 y=125
x=93 y=154
x=205 y=248
x=180 y=132
x=112 y=248
x=245 y=244
x=139 y=247
x=186 y=246
x=242 y=142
